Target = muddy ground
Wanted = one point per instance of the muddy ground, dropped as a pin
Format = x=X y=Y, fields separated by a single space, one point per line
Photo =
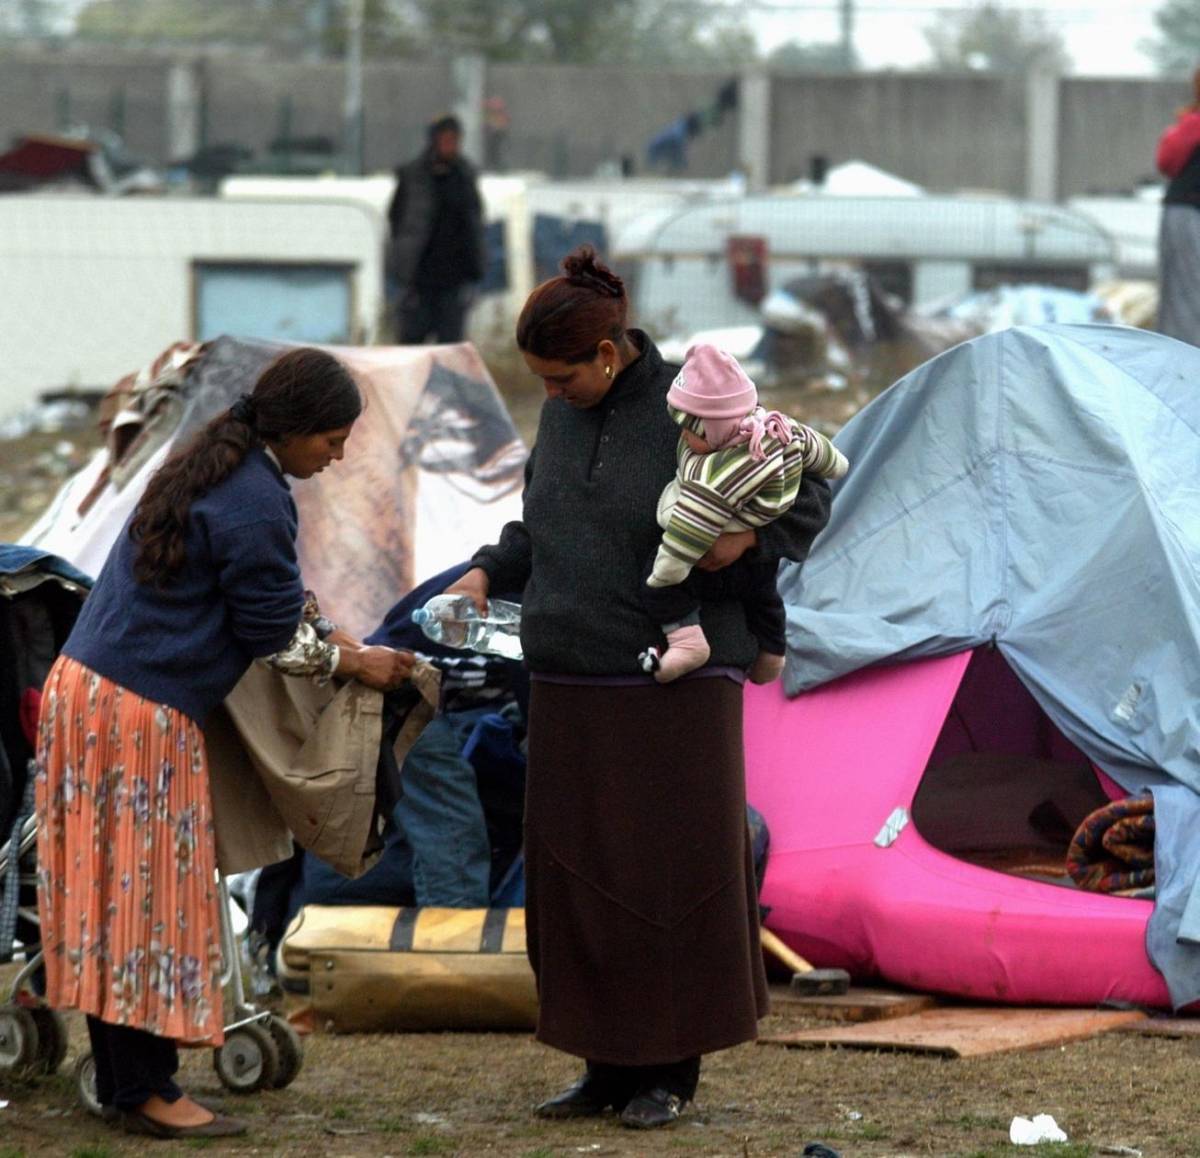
x=463 y=1094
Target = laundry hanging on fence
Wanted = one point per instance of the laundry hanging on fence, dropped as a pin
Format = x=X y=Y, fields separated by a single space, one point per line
x=668 y=147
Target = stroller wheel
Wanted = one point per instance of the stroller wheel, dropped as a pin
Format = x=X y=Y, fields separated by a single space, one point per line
x=52 y=1039
x=18 y=1039
x=85 y=1084
x=291 y=1051
x=248 y=1061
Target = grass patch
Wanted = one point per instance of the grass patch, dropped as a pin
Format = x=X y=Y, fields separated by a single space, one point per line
x=974 y=1122
x=688 y=1141
x=540 y=1152
x=431 y=1144
x=95 y=1151
x=339 y=1113
x=1057 y=1149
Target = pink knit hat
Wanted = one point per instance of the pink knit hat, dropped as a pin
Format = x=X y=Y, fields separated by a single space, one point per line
x=712 y=385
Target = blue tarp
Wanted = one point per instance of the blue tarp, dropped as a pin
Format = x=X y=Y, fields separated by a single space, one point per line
x=1039 y=488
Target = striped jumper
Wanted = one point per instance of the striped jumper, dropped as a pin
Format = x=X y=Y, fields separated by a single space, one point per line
x=729 y=490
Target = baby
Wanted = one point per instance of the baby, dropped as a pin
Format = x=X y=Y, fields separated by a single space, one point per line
x=739 y=468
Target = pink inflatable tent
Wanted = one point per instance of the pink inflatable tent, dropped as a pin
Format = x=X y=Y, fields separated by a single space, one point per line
x=918 y=815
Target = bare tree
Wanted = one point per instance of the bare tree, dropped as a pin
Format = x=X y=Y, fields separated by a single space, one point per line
x=1176 y=47
x=35 y=19
x=580 y=31
x=995 y=39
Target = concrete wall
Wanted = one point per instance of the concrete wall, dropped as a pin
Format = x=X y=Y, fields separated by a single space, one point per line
x=566 y=120
x=1109 y=129
x=36 y=90
x=245 y=101
x=398 y=102
x=946 y=132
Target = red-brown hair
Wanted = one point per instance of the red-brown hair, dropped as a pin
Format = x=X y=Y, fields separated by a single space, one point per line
x=566 y=318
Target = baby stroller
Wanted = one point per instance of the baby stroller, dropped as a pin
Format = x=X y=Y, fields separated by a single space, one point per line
x=40 y=597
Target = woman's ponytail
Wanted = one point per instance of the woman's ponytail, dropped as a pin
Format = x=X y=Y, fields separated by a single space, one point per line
x=160 y=521
x=304 y=391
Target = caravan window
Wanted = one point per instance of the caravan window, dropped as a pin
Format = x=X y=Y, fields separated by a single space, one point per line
x=989 y=276
x=300 y=302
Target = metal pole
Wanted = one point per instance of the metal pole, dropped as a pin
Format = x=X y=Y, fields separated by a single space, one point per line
x=353 y=130
x=847 y=21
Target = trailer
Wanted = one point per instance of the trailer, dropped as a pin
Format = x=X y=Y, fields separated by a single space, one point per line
x=710 y=265
x=95 y=285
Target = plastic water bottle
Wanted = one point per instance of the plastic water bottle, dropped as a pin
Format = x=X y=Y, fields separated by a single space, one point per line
x=454 y=620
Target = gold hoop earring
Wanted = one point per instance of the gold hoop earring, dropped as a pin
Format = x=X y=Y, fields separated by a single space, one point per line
x=608 y=372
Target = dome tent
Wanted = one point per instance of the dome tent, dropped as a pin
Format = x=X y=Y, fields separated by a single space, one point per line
x=1032 y=492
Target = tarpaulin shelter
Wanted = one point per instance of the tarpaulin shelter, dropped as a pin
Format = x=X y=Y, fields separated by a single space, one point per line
x=433 y=468
x=1006 y=600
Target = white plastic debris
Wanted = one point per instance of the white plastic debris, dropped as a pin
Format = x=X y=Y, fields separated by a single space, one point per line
x=1043 y=1128
x=892 y=827
x=3 y=1105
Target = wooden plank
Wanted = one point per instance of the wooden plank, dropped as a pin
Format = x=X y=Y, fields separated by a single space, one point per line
x=1165 y=1027
x=859 y=1004
x=964 y=1031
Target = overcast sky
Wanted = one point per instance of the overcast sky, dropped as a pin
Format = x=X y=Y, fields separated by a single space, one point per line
x=1102 y=36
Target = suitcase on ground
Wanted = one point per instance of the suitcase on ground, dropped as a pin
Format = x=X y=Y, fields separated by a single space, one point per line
x=371 y=968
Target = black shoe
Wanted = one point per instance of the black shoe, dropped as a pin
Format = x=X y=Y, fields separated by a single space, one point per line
x=652 y=1108
x=587 y=1098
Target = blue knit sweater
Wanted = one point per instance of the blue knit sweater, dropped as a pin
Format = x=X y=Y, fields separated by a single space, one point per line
x=238 y=596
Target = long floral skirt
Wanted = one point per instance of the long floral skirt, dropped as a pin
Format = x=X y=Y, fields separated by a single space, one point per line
x=127 y=892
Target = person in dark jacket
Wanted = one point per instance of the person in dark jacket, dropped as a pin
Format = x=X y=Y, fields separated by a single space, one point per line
x=437 y=251
x=641 y=913
x=1178 y=159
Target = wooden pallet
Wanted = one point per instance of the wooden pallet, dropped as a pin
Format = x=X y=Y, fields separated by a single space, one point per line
x=858 y=1004
x=964 y=1031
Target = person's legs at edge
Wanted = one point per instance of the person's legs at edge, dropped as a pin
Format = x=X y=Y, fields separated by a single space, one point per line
x=105 y=1082
x=413 y=318
x=449 y=310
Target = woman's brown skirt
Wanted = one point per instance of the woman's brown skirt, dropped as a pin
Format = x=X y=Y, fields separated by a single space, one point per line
x=640 y=901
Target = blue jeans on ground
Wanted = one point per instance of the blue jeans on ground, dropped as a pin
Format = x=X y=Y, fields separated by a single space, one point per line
x=441 y=815
x=438 y=851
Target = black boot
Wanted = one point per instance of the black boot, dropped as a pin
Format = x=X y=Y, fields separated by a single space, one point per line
x=598 y=1089
x=652 y=1108
x=663 y=1093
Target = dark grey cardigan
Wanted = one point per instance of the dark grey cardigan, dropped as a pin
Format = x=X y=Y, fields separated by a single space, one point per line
x=591 y=493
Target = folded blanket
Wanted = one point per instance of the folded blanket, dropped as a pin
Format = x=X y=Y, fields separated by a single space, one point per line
x=1113 y=849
